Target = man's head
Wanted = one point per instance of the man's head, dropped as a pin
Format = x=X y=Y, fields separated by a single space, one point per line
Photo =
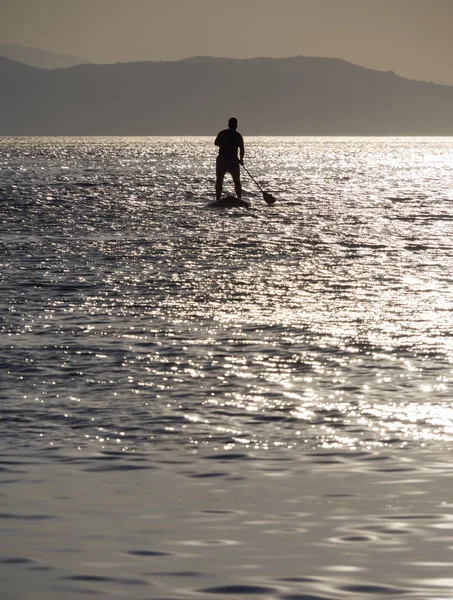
x=233 y=123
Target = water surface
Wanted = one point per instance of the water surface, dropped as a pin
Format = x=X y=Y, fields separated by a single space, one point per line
x=300 y=353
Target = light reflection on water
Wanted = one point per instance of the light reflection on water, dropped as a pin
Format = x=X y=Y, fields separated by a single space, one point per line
x=135 y=317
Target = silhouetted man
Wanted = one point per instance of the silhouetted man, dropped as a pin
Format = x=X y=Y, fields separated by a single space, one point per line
x=229 y=142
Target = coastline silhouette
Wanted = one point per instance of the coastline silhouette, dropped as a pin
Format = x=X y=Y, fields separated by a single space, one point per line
x=328 y=97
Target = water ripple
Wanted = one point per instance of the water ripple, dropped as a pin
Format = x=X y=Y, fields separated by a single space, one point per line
x=134 y=319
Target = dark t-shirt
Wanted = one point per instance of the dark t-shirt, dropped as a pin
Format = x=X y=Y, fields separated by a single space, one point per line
x=229 y=142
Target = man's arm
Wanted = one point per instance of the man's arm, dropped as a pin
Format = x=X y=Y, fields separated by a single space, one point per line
x=218 y=139
x=241 y=151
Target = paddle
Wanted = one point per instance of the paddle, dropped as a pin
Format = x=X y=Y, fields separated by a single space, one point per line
x=268 y=198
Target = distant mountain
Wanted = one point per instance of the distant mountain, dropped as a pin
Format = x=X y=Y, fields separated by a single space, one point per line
x=196 y=96
x=14 y=68
x=40 y=58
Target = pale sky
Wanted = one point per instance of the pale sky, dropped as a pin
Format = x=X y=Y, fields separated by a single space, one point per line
x=411 y=37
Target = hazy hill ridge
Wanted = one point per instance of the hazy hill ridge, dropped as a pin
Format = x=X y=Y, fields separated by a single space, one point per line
x=195 y=96
x=39 y=58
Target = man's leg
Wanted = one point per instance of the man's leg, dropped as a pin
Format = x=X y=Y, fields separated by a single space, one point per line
x=220 y=174
x=236 y=174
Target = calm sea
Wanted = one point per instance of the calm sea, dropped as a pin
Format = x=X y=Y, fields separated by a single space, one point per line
x=136 y=320
x=133 y=316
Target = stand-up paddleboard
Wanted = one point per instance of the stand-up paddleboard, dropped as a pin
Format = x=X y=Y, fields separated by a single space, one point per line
x=229 y=202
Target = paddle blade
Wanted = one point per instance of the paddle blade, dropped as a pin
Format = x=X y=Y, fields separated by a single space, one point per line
x=269 y=198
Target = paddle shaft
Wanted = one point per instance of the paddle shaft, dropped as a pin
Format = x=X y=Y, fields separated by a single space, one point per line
x=252 y=178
